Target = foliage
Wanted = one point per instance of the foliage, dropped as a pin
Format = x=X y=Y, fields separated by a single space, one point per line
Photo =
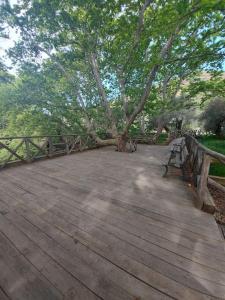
x=217 y=169
x=98 y=66
x=218 y=145
x=214 y=117
x=162 y=138
x=207 y=86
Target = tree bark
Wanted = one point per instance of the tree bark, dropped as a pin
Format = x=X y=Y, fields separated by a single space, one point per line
x=142 y=123
x=108 y=142
x=124 y=97
x=122 y=143
x=158 y=132
x=102 y=93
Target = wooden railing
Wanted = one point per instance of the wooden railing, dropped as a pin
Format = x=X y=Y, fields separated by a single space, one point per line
x=199 y=160
x=30 y=148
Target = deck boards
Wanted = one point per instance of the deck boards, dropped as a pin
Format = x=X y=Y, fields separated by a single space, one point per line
x=105 y=225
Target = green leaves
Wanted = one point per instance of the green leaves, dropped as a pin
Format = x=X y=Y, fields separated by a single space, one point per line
x=127 y=37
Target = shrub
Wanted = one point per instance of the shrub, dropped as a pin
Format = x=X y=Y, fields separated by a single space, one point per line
x=214 y=117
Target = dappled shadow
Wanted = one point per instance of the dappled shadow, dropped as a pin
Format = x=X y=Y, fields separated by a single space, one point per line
x=114 y=211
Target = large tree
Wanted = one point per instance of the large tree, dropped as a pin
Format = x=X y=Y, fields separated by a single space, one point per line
x=112 y=55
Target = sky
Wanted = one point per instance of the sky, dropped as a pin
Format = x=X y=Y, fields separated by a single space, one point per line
x=5 y=44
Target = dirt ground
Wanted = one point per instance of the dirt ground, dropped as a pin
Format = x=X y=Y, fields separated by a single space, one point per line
x=219 y=199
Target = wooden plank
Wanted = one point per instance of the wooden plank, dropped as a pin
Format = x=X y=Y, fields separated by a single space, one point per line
x=131 y=259
x=37 y=136
x=200 y=170
x=12 y=151
x=50 y=147
x=19 y=279
x=142 y=267
x=98 y=274
x=167 y=245
x=41 y=149
x=55 y=273
x=11 y=155
x=89 y=221
x=204 y=196
x=164 y=255
x=34 y=234
x=154 y=239
x=68 y=190
x=132 y=198
x=3 y=295
x=213 y=181
x=27 y=150
x=75 y=142
x=49 y=217
x=203 y=246
x=26 y=247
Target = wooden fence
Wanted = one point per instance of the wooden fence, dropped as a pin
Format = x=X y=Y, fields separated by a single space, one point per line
x=199 y=160
x=14 y=150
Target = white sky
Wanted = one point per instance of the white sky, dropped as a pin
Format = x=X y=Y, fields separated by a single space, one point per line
x=5 y=44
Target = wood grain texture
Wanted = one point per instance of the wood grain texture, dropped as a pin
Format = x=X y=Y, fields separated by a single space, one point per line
x=105 y=225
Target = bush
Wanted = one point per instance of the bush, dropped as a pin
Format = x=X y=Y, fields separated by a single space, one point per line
x=214 y=117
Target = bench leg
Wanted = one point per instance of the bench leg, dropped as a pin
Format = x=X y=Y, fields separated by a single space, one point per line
x=166 y=170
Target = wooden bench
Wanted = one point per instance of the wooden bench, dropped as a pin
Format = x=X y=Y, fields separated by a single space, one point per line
x=177 y=157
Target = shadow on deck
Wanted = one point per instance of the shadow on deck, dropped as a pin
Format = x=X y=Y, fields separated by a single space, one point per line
x=105 y=225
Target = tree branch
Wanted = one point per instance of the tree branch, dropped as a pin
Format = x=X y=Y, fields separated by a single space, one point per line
x=123 y=95
x=192 y=55
x=152 y=73
x=137 y=34
x=150 y=79
x=101 y=90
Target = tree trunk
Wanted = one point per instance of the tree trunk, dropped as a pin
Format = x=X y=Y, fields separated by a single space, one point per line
x=167 y=129
x=218 y=131
x=158 y=132
x=108 y=142
x=179 y=123
x=122 y=143
x=142 y=124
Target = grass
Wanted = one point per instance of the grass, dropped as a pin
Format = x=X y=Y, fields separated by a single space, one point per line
x=217 y=169
x=213 y=143
x=218 y=145
x=162 y=138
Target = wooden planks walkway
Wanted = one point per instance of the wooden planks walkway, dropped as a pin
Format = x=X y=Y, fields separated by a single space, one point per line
x=105 y=225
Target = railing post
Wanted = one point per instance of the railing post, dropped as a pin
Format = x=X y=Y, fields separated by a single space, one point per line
x=28 y=155
x=50 y=147
x=80 y=144
x=202 y=185
x=67 y=145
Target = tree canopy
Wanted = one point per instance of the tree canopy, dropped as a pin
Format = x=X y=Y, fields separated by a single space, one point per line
x=214 y=117
x=97 y=66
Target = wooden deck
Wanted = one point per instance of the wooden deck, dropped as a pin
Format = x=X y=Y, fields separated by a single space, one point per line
x=105 y=225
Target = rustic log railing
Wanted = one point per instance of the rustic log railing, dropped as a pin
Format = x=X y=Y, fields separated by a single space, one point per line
x=30 y=148
x=199 y=160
